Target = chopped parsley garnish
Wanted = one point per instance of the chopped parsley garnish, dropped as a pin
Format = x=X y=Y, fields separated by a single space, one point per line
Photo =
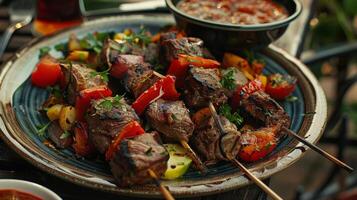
x=108 y=104
x=140 y=37
x=65 y=135
x=235 y=118
x=104 y=75
x=249 y=55
x=61 y=47
x=44 y=51
x=292 y=98
x=91 y=43
x=228 y=80
x=41 y=130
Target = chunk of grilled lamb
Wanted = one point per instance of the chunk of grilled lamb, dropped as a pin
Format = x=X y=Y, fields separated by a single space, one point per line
x=171 y=48
x=78 y=77
x=211 y=146
x=171 y=118
x=203 y=85
x=137 y=75
x=262 y=107
x=135 y=156
x=104 y=122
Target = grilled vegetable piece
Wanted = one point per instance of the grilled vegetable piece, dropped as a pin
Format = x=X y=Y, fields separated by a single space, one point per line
x=56 y=135
x=85 y=96
x=82 y=145
x=179 y=66
x=262 y=107
x=256 y=144
x=67 y=117
x=130 y=130
x=171 y=118
x=163 y=88
x=78 y=77
x=209 y=143
x=135 y=156
x=178 y=163
x=171 y=48
x=203 y=85
x=54 y=111
x=106 y=118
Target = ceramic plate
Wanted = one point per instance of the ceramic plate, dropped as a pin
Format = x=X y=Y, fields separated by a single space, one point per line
x=20 y=102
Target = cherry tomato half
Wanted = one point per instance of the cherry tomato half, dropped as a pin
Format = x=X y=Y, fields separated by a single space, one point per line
x=47 y=73
x=280 y=86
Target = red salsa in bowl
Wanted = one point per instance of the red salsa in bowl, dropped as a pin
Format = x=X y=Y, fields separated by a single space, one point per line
x=244 y=12
x=12 y=194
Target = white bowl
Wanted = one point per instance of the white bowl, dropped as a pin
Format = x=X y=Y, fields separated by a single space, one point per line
x=29 y=187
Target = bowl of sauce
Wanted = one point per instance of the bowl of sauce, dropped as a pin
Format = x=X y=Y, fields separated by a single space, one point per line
x=11 y=189
x=235 y=24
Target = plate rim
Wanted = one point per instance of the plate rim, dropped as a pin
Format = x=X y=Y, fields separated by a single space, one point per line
x=320 y=109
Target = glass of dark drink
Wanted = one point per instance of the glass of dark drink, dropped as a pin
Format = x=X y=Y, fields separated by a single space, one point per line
x=54 y=15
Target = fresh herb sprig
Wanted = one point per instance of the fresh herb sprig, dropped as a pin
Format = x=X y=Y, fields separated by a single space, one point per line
x=235 y=118
x=141 y=36
x=228 y=80
x=41 y=130
x=44 y=51
x=108 y=104
x=103 y=74
x=65 y=135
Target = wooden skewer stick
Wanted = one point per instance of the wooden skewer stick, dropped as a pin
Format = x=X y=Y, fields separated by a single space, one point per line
x=257 y=181
x=319 y=150
x=196 y=160
x=251 y=176
x=164 y=191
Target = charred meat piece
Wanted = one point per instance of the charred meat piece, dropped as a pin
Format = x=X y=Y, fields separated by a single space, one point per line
x=106 y=118
x=213 y=147
x=55 y=132
x=203 y=85
x=137 y=74
x=111 y=49
x=171 y=118
x=135 y=156
x=171 y=48
x=262 y=107
x=78 y=77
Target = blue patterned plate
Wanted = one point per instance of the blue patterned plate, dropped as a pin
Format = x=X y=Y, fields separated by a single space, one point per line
x=20 y=117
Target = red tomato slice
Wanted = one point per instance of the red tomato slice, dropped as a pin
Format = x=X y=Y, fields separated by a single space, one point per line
x=257 y=144
x=47 y=73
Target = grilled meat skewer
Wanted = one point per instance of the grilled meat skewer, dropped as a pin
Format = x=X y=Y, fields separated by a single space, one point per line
x=232 y=158
x=162 y=117
x=105 y=123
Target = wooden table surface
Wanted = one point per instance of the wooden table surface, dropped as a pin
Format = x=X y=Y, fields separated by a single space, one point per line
x=12 y=166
